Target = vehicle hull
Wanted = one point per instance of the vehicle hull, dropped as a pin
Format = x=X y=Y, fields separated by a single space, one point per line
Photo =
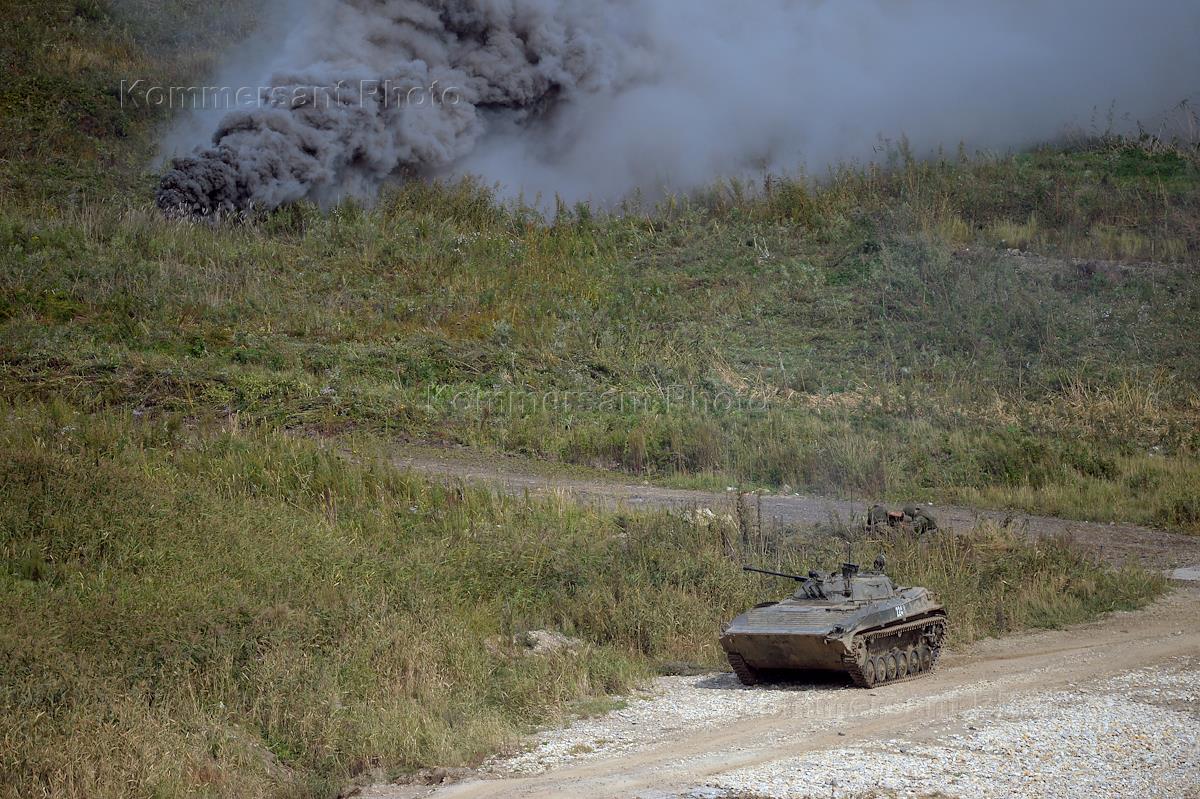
x=856 y=638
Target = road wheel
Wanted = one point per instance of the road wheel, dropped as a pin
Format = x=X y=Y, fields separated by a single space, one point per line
x=926 y=656
x=901 y=664
x=869 y=673
x=880 y=669
x=890 y=661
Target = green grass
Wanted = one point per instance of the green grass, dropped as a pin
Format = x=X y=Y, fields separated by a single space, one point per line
x=666 y=347
x=66 y=139
x=239 y=612
x=860 y=334
x=201 y=599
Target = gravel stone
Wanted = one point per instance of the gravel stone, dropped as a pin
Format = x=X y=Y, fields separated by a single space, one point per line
x=1136 y=735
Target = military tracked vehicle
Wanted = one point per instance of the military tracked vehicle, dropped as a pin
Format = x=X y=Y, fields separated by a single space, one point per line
x=849 y=621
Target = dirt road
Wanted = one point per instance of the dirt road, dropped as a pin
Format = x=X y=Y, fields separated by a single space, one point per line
x=1115 y=542
x=1104 y=709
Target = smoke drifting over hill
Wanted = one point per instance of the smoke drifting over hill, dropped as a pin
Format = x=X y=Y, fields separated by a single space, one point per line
x=593 y=99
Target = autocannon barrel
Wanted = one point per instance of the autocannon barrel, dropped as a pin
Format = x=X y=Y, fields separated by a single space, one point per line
x=797 y=577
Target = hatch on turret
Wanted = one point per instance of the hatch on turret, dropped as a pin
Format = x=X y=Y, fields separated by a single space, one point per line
x=847 y=585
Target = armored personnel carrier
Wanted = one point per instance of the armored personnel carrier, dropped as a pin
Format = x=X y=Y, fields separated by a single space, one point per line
x=848 y=621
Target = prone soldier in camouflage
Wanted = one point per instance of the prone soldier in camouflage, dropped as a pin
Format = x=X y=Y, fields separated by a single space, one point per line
x=918 y=519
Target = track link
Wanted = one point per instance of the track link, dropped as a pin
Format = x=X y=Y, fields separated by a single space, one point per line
x=854 y=662
x=747 y=675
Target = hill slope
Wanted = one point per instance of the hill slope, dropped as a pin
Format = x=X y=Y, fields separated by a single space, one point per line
x=205 y=602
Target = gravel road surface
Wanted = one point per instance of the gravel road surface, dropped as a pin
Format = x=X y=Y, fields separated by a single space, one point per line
x=1110 y=708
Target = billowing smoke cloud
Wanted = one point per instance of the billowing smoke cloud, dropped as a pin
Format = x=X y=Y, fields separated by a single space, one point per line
x=593 y=99
x=381 y=87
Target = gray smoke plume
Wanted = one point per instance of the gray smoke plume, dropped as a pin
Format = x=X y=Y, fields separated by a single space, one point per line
x=388 y=87
x=592 y=99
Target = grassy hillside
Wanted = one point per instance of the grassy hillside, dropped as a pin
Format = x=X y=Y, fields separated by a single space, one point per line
x=65 y=136
x=242 y=613
x=830 y=340
x=867 y=335
x=202 y=600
